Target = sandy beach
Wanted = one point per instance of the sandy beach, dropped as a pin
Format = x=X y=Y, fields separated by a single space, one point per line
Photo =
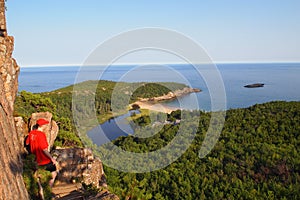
x=155 y=107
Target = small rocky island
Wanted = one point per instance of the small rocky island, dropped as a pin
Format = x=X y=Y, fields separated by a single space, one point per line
x=255 y=85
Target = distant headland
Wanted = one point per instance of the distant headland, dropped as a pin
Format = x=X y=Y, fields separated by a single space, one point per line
x=171 y=95
x=153 y=102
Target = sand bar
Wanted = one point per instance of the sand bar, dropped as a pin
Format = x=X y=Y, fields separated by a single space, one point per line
x=155 y=107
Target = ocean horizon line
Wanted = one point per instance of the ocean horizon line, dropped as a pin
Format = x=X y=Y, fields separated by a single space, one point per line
x=161 y=63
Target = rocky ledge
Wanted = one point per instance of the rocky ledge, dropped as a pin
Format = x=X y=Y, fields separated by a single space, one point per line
x=171 y=95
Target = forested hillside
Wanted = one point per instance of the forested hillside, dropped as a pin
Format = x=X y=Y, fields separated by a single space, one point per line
x=62 y=98
x=59 y=102
x=256 y=157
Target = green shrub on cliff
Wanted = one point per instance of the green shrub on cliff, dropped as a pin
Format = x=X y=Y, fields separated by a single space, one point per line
x=27 y=103
x=30 y=180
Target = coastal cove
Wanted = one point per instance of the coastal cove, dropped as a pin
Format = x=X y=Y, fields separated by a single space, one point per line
x=281 y=81
x=121 y=125
x=282 y=85
x=159 y=104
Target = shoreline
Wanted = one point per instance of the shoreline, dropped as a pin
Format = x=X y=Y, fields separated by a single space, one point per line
x=158 y=107
x=171 y=95
x=154 y=105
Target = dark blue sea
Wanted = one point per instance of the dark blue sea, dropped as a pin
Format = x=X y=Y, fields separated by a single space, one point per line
x=282 y=80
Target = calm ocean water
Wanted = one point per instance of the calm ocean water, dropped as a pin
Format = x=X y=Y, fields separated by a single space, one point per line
x=282 y=80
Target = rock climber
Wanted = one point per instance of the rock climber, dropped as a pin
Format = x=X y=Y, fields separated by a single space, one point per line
x=39 y=147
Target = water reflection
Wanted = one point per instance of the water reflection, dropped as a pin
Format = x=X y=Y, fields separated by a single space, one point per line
x=112 y=129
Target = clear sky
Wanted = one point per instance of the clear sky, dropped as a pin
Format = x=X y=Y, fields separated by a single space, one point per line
x=63 y=32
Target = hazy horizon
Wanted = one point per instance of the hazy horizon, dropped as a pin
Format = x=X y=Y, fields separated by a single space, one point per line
x=126 y=64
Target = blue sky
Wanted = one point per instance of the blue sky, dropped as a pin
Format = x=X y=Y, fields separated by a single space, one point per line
x=65 y=32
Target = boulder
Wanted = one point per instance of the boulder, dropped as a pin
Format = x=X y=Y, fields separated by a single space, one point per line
x=79 y=164
x=22 y=131
x=50 y=129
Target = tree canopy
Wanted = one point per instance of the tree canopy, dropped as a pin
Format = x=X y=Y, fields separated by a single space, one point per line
x=256 y=156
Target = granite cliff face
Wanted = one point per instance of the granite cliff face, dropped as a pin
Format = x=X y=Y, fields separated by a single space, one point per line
x=75 y=163
x=12 y=186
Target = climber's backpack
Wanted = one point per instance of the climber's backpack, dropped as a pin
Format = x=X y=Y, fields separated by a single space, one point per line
x=27 y=144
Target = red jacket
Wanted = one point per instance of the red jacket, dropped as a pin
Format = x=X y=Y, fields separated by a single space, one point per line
x=38 y=142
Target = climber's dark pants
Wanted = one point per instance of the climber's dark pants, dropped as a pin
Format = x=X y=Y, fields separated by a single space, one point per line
x=49 y=167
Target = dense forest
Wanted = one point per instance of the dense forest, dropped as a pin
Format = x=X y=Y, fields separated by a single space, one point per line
x=256 y=156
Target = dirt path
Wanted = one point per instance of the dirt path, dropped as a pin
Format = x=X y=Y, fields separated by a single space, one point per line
x=68 y=191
